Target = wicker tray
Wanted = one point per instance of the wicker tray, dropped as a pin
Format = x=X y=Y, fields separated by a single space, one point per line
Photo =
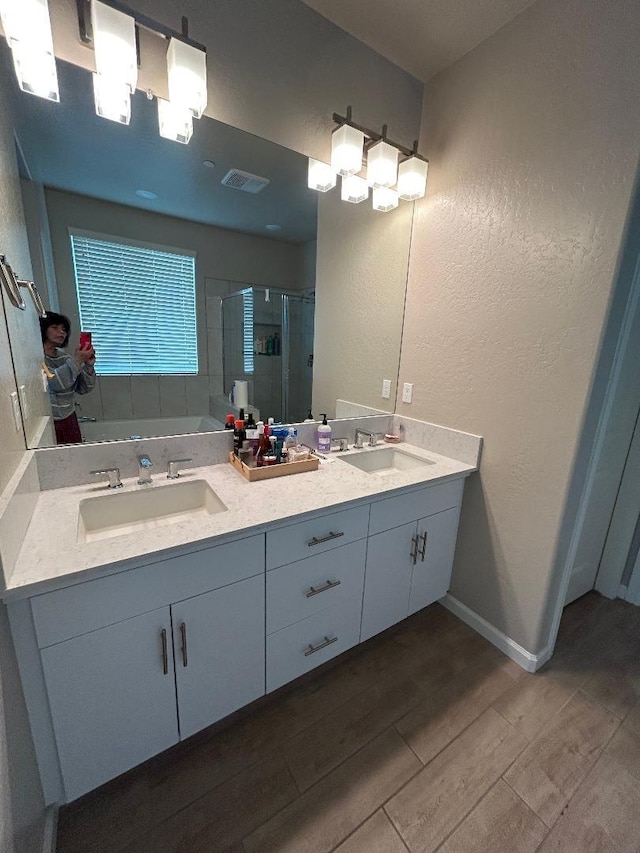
x=269 y=471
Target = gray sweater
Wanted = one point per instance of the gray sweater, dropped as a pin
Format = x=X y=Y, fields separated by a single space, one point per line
x=66 y=378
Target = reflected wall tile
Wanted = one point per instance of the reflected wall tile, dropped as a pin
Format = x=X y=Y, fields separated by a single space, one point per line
x=197 y=394
x=145 y=394
x=90 y=405
x=116 y=397
x=216 y=384
x=216 y=287
x=213 y=312
x=173 y=399
x=214 y=351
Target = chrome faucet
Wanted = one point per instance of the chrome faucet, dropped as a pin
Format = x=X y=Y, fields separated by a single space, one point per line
x=113 y=474
x=144 y=474
x=373 y=438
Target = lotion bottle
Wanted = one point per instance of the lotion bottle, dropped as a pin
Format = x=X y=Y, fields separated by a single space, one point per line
x=323 y=436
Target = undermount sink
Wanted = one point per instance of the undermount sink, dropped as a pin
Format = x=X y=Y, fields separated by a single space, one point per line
x=386 y=461
x=145 y=509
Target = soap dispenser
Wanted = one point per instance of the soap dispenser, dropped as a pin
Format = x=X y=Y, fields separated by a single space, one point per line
x=323 y=435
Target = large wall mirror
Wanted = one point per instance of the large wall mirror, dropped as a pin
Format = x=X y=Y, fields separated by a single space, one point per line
x=297 y=295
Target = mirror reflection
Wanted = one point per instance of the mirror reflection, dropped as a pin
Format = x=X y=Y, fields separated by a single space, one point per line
x=149 y=242
x=92 y=188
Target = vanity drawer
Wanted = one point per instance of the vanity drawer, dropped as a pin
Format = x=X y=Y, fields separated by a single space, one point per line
x=95 y=604
x=392 y=512
x=308 y=538
x=305 y=645
x=299 y=590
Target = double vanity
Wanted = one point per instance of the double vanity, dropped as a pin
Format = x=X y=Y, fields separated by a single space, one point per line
x=144 y=614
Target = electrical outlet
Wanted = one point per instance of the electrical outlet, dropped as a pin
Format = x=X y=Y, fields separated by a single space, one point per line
x=386 y=388
x=407 y=392
x=15 y=406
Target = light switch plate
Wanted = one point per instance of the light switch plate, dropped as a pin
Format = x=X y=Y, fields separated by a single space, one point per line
x=407 y=392
x=386 y=388
x=15 y=406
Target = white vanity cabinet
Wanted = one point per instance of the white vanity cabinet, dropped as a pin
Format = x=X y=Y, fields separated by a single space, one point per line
x=314 y=604
x=123 y=687
x=409 y=565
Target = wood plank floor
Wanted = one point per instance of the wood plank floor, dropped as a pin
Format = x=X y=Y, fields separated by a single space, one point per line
x=426 y=738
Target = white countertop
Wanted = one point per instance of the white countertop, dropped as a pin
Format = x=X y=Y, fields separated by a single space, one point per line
x=51 y=557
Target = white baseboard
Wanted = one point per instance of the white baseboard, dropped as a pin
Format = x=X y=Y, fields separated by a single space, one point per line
x=50 y=829
x=517 y=653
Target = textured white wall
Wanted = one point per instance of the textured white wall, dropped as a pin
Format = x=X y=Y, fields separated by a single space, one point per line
x=534 y=144
x=361 y=280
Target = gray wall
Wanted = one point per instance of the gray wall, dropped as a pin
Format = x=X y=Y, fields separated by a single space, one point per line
x=533 y=143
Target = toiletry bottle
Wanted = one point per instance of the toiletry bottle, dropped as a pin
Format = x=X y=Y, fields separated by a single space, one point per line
x=239 y=435
x=323 y=436
x=241 y=415
x=309 y=419
x=263 y=444
x=230 y=422
x=290 y=443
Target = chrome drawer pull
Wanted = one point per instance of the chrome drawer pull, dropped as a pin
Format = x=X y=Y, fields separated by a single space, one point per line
x=165 y=656
x=183 y=640
x=327 y=642
x=414 y=551
x=332 y=535
x=423 y=550
x=316 y=591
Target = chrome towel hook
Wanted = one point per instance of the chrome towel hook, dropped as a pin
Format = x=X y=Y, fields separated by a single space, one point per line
x=13 y=284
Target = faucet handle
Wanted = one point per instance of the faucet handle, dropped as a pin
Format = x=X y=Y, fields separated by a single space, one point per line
x=343 y=443
x=172 y=467
x=373 y=438
x=113 y=474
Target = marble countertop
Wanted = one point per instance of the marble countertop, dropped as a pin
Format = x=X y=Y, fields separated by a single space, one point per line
x=51 y=557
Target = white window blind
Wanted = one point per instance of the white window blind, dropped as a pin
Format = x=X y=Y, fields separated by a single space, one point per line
x=247 y=330
x=139 y=303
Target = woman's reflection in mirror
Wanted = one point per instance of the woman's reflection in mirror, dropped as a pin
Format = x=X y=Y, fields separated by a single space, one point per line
x=67 y=375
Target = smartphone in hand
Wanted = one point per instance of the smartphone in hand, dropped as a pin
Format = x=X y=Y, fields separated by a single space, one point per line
x=85 y=340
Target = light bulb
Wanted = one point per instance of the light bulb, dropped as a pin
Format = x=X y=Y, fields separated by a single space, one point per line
x=321 y=176
x=412 y=178
x=384 y=199
x=382 y=164
x=354 y=189
x=346 y=150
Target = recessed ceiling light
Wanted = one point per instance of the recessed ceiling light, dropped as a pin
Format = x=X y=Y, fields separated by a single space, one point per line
x=273 y=227
x=209 y=164
x=146 y=194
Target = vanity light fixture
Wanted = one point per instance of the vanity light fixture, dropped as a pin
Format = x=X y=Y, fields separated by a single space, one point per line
x=321 y=176
x=112 y=28
x=384 y=199
x=27 y=28
x=187 y=73
x=390 y=182
x=354 y=189
x=412 y=178
x=382 y=164
x=347 y=144
x=175 y=122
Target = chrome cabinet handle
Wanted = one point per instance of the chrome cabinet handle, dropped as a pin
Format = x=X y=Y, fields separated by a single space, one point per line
x=183 y=640
x=423 y=549
x=316 y=541
x=317 y=590
x=414 y=551
x=35 y=296
x=165 y=656
x=8 y=278
x=311 y=649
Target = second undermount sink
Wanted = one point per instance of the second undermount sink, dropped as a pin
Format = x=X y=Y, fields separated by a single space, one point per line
x=386 y=461
x=145 y=509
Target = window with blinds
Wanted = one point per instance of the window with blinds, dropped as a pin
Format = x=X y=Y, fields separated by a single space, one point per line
x=139 y=302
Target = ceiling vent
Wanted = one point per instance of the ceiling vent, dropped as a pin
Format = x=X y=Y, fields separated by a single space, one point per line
x=244 y=181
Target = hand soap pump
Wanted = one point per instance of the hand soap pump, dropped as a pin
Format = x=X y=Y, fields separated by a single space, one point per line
x=324 y=436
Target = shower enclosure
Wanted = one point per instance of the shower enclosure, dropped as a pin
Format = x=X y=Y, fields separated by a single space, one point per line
x=267 y=339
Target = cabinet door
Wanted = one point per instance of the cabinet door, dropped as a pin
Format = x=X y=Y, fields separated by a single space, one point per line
x=387 y=579
x=219 y=640
x=112 y=699
x=436 y=546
